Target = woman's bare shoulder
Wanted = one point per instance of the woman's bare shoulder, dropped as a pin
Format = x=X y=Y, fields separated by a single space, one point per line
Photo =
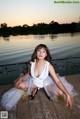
x=51 y=66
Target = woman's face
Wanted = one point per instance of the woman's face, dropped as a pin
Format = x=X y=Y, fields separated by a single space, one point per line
x=41 y=53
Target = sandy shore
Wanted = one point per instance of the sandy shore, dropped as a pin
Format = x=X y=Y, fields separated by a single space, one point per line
x=75 y=81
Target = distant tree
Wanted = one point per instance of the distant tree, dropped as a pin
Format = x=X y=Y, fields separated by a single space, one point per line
x=52 y=22
x=78 y=25
x=17 y=26
x=25 y=26
x=34 y=25
x=3 y=25
x=79 y=19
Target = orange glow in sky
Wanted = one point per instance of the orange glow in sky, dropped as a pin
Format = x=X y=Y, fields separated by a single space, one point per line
x=19 y=12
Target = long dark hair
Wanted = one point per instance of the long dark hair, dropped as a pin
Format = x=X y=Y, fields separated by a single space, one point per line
x=40 y=46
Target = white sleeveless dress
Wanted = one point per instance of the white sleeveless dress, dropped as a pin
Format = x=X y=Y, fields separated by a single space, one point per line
x=39 y=81
x=47 y=82
x=12 y=96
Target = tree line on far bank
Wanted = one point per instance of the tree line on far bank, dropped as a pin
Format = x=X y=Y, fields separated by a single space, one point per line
x=40 y=28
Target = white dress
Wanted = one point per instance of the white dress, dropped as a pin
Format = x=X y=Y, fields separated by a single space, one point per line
x=47 y=82
x=12 y=96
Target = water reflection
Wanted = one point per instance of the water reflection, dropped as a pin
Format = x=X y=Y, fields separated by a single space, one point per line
x=6 y=38
x=19 y=48
x=75 y=34
x=52 y=37
x=39 y=37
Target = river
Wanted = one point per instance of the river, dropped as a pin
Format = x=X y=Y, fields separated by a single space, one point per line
x=15 y=49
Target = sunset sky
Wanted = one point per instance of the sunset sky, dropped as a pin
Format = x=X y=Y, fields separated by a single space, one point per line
x=19 y=12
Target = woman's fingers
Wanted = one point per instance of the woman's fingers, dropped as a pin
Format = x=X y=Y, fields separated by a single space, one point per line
x=69 y=101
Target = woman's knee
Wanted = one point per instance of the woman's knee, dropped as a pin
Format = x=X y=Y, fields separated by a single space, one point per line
x=22 y=86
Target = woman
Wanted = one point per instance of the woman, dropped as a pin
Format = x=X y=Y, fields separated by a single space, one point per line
x=41 y=74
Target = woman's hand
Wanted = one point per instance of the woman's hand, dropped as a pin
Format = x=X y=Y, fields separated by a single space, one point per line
x=69 y=101
x=18 y=82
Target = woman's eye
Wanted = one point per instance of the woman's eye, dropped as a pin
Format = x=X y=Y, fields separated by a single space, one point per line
x=41 y=51
x=38 y=50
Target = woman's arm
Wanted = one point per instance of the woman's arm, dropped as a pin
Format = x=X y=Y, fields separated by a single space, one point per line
x=22 y=78
x=60 y=85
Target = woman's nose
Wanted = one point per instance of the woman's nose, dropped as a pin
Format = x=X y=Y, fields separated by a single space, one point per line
x=40 y=52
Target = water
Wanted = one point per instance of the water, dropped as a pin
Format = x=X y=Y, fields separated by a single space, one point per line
x=15 y=49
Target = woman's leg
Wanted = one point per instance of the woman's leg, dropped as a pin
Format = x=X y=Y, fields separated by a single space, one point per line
x=51 y=88
x=23 y=86
x=34 y=92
